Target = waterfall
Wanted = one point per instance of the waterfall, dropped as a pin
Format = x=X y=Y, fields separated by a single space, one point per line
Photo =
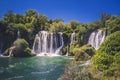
x=51 y=45
x=96 y=38
x=72 y=41
x=72 y=38
x=18 y=34
x=46 y=43
x=37 y=41
x=11 y=50
x=67 y=53
x=61 y=43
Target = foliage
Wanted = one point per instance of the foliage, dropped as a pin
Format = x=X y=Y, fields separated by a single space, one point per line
x=107 y=58
x=113 y=24
x=20 y=48
x=57 y=27
x=82 y=53
x=74 y=71
x=112 y=44
x=21 y=43
x=32 y=22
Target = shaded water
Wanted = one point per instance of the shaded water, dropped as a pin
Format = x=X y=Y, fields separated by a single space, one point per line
x=33 y=68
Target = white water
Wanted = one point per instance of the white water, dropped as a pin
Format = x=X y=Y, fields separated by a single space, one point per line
x=51 y=41
x=61 y=43
x=11 y=50
x=72 y=41
x=18 y=34
x=67 y=52
x=72 y=38
x=96 y=38
x=49 y=44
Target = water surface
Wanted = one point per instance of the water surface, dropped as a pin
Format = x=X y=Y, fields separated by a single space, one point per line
x=32 y=68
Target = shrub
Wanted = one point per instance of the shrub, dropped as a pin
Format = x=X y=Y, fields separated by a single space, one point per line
x=80 y=55
x=75 y=72
x=107 y=58
x=83 y=53
x=21 y=44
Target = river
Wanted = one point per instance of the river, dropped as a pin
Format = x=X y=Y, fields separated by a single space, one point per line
x=32 y=68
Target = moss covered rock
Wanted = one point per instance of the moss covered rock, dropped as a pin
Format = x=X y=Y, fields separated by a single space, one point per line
x=20 y=48
x=83 y=53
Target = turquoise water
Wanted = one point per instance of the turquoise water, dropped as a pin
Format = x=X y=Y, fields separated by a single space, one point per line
x=32 y=68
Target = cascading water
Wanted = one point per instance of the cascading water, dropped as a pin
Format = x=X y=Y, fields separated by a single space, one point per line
x=61 y=44
x=18 y=34
x=46 y=43
x=72 y=38
x=72 y=41
x=11 y=50
x=96 y=38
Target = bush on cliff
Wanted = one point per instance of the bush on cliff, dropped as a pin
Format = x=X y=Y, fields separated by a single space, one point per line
x=107 y=58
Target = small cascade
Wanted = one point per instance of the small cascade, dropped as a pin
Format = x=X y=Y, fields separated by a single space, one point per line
x=11 y=50
x=61 y=43
x=10 y=53
x=51 y=45
x=72 y=41
x=67 y=53
x=96 y=38
x=46 y=43
x=18 y=34
x=72 y=38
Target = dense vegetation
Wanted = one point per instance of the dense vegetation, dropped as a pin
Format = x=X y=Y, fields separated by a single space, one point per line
x=83 y=53
x=31 y=23
x=105 y=64
x=75 y=71
x=106 y=60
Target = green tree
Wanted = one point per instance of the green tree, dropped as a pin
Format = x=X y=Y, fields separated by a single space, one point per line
x=31 y=13
x=74 y=24
x=104 y=17
x=107 y=57
x=113 y=24
x=9 y=17
x=57 y=27
x=42 y=21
